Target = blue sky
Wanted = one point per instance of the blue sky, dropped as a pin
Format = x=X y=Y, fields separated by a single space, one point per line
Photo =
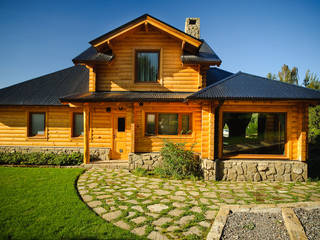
x=39 y=37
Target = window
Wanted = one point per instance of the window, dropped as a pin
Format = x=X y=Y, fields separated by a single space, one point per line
x=77 y=130
x=168 y=124
x=147 y=66
x=36 y=124
x=254 y=133
x=121 y=124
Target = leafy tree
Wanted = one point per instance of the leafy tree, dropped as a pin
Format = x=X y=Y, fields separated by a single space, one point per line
x=271 y=76
x=287 y=75
x=311 y=80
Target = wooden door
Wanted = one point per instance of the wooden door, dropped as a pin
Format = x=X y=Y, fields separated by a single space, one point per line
x=119 y=150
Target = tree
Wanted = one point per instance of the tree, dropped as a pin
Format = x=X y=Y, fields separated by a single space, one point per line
x=311 y=80
x=271 y=76
x=287 y=75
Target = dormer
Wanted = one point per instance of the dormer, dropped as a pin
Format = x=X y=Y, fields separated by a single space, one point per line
x=147 y=54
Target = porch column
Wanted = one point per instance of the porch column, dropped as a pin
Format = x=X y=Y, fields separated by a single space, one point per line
x=86 y=126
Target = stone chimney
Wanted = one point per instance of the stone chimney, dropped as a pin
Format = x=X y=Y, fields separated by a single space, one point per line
x=192 y=27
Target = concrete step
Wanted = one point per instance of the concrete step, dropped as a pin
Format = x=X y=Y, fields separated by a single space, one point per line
x=108 y=164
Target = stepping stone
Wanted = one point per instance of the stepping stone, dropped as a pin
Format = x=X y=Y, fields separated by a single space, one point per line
x=193 y=230
x=143 y=195
x=133 y=201
x=162 y=221
x=128 y=193
x=175 y=212
x=147 y=202
x=180 y=193
x=123 y=207
x=211 y=214
x=103 y=196
x=94 y=203
x=156 y=236
x=112 y=215
x=184 y=220
x=82 y=192
x=196 y=209
x=110 y=201
x=210 y=194
x=139 y=220
x=204 y=224
x=92 y=185
x=194 y=193
x=165 y=201
x=154 y=215
x=138 y=208
x=131 y=214
x=179 y=205
x=123 y=225
x=172 y=228
x=161 y=192
x=178 y=198
x=157 y=207
x=204 y=201
x=99 y=210
x=140 y=231
x=87 y=198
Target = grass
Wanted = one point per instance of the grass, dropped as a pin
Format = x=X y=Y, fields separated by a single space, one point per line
x=42 y=203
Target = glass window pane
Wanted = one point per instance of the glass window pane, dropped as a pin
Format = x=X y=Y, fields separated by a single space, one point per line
x=151 y=124
x=147 y=66
x=254 y=133
x=168 y=124
x=37 y=124
x=185 y=124
x=121 y=124
x=78 y=124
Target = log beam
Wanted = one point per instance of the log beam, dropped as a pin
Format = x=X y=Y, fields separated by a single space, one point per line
x=86 y=129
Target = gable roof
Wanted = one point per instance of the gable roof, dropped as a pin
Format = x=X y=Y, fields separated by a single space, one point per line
x=47 y=89
x=146 y=18
x=244 y=86
x=215 y=75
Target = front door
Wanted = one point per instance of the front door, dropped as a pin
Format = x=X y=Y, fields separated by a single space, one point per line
x=119 y=150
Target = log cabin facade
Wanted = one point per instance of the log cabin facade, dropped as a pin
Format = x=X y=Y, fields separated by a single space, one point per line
x=147 y=81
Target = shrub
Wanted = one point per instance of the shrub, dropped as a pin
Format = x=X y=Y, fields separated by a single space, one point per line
x=140 y=172
x=177 y=162
x=38 y=158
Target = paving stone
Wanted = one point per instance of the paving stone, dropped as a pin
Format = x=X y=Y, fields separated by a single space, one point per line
x=211 y=214
x=180 y=193
x=162 y=220
x=172 y=228
x=128 y=193
x=123 y=207
x=131 y=214
x=94 y=203
x=110 y=201
x=103 y=196
x=175 y=212
x=139 y=220
x=140 y=231
x=178 y=198
x=99 y=210
x=143 y=195
x=204 y=224
x=138 y=208
x=184 y=220
x=161 y=192
x=147 y=202
x=154 y=215
x=87 y=198
x=92 y=185
x=210 y=194
x=112 y=215
x=157 y=236
x=193 y=230
x=196 y=209
x=132 y=201
x=165 y=201
x=204 y=201
x=194 y=193
x=157 y=207
x=179 y=205
x=122 y=224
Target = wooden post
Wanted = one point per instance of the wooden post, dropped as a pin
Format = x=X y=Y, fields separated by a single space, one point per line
x=86 y=126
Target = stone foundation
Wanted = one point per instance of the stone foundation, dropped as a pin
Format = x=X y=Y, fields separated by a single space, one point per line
x=234 y=170
x=97 y=153
x=261 y=170
x=146 y=161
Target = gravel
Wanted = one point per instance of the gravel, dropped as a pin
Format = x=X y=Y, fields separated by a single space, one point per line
x=310 y=220
x=255 y=226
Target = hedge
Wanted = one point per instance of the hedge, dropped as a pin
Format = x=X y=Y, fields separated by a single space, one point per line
x=38 y=158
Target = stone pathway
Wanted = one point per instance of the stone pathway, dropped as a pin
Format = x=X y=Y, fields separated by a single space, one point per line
x=174 y=209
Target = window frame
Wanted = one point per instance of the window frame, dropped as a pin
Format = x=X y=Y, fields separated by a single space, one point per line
x=29 y=126
x=73 y=125
x=179 y=124
x=136 y=51
x=285 y=155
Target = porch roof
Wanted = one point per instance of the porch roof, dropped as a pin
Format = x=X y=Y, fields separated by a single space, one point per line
x=244 y=86
x=128 y=96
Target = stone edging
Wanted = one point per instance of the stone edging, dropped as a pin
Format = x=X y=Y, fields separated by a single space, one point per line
x=291 y=221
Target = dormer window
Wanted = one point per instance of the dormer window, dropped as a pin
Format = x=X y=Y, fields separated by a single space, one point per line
x=147 y=66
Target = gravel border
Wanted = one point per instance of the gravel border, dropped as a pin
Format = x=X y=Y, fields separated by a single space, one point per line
x=244 y=225
x=310 y=220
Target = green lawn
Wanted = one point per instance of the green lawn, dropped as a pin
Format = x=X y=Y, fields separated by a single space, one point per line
x=42 y=203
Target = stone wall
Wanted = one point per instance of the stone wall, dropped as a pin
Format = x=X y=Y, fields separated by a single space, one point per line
x=209 y=169
x=98 y=153
x=146 y=161
x=261 y=170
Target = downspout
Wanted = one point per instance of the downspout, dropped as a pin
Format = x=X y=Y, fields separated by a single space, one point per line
x=216 y=139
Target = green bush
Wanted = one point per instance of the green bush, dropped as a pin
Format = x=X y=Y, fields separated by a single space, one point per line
x=38 y=158
x=140 y=172
x=177 y=162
